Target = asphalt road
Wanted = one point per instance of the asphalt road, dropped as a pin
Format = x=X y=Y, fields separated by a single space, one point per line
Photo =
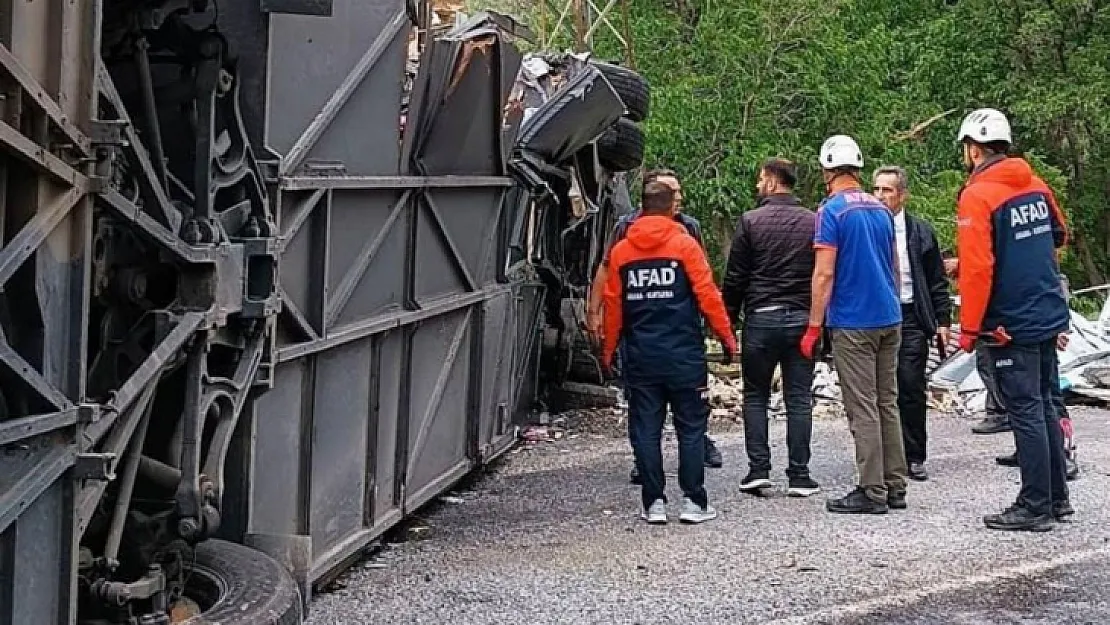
x=552 y=535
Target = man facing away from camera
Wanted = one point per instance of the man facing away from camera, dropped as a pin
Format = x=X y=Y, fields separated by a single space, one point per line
x=658 y=286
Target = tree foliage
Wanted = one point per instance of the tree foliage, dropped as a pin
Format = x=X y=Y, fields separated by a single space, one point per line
x=738 y=81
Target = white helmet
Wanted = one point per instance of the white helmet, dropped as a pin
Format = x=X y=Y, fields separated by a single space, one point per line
x=841 y=151
x=985 y=126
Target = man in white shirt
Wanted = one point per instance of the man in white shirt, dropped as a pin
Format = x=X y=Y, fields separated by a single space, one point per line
x=926 y=310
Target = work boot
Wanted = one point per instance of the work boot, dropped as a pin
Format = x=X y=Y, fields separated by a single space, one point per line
x=713 y=458
x=1018 y=519
x=917 y=472
x=693 y=513
x=1062 y=509
x=993 y=424
x=756 y=481
x=1007 y=461
x=856 y=502
x=896 y=501
x=634 y=476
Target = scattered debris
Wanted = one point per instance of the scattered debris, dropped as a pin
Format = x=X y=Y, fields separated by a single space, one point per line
x=957 y=387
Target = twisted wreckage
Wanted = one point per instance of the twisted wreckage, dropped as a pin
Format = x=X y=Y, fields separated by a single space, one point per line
x=268 y=284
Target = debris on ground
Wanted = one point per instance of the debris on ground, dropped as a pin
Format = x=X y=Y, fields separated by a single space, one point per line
x=956 y=384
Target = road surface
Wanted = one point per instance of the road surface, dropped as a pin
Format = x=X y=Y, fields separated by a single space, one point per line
x=552 y=535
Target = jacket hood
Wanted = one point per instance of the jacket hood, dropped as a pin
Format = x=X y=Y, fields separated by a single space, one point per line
x=1010 y=172
x=652 y=231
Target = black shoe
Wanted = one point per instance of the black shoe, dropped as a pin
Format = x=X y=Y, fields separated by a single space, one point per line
x=1062 y=509
x=993 y=424
x=856 y=502
x=713 y=457
x=918 y=472
x=1007 y=461
x=896 y=501
x=1018 y=519
x=756 y=481
x=1073 y=469
x=803 y=487
x=634 y=476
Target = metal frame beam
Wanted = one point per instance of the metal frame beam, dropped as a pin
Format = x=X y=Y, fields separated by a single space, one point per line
x=305 y=183
x=24 y=244
x=35 y=91
x=339 y=98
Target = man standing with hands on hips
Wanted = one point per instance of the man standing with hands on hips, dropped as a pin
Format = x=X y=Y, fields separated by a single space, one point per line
x=1009 y=227
x=854 y=280
x=926 y=310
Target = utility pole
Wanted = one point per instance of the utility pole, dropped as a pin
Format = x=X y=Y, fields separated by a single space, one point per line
x=577 y=22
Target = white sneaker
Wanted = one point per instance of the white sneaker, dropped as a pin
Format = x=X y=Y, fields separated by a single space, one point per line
x=693 y=513
x=656 y=514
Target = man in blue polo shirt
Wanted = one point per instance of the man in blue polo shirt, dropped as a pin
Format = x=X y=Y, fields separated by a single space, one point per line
x=855 y=295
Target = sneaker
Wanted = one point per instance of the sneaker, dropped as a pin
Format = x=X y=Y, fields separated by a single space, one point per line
x=656 y=514
x=634 y=476
x=993 y=424
x=1062 y=509
x=693 y=513
x=713 y=457
x=756 y=481
x=917 y=472
x=896 y=501
x=803 y=487
x=1018 y=519
x=1007 y=461
x=856 y=502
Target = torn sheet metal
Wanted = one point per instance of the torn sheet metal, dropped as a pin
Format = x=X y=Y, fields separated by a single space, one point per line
x=572 y=117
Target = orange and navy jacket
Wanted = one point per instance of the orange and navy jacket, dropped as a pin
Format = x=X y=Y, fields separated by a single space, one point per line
x=658 y=287
x=1009 y=226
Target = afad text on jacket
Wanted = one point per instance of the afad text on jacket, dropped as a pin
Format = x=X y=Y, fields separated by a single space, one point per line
x=659 y=285
x=1009 y=228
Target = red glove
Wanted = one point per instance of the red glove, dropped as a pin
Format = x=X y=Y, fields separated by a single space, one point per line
x=810 y=340
x=967 y=340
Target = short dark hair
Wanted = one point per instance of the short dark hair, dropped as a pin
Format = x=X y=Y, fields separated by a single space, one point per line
x=658 y=197
x=783 y=170
x=655 y=174
x=994 y=147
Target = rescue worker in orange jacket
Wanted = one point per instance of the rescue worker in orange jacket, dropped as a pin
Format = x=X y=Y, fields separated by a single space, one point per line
x=658 y=286
x=1009 y=226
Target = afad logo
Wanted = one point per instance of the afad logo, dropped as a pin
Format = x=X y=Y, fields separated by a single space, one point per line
x=655 y=276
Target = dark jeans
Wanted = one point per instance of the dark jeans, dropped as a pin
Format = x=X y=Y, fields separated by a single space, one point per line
x=772 y=339
x=995 y=407
x=647 y=410
x=1026 y=375
x=913 y=356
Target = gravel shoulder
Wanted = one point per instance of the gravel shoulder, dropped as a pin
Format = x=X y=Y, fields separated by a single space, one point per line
x=552 y=535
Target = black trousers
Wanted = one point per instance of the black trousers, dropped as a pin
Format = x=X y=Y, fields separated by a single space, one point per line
x=774 y=338
x=913 y=357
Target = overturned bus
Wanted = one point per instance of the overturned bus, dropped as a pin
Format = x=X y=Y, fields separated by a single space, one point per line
x=274 y=274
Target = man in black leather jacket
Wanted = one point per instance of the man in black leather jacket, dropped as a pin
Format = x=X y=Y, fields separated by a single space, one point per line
x=926 y=311
x=770 y=267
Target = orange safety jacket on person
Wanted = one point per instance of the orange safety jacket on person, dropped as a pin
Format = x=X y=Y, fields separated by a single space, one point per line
x=658 y=287
x=1009 y=226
